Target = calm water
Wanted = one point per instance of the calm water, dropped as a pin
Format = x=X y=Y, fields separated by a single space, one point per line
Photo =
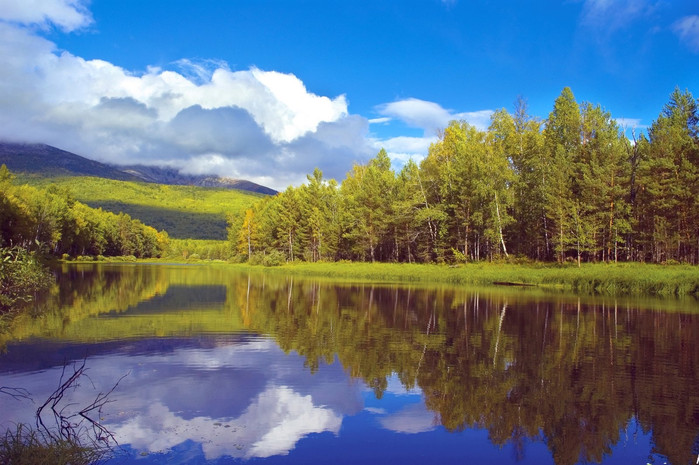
x=223 y=367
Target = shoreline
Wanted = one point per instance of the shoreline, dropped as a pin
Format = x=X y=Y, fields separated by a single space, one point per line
x=635 y=279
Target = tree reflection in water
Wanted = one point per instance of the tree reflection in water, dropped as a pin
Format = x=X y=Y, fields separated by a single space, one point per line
x=571 y=372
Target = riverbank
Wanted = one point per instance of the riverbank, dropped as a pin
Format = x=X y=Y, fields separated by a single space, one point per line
x=599 y=278
x=633 y=279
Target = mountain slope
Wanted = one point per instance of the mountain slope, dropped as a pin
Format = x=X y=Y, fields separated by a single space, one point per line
x=47 y=161
x=173 y=177
x=185 y=212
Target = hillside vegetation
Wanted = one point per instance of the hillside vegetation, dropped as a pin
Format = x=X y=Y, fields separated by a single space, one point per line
x=185 y=212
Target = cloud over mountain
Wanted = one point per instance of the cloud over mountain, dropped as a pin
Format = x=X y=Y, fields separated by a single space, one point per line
x=200 y=117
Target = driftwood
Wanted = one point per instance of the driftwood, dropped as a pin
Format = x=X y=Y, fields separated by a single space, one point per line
x=68 y=422
x=74 y=425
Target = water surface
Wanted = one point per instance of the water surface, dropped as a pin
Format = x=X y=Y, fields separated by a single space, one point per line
x=217 y=366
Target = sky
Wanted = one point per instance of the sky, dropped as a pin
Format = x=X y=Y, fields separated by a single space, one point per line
x=268 y=90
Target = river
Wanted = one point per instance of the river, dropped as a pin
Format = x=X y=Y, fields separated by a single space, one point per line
x=214 y=366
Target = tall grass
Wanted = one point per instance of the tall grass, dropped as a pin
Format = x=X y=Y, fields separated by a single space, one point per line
x=26 y=446
x=600 y=278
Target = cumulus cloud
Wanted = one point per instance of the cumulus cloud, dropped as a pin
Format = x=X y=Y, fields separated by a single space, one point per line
x=199 y=116
x=68 y=15
x=253 y=399
x=403 y=148
x=687 y=29
x=272 y=425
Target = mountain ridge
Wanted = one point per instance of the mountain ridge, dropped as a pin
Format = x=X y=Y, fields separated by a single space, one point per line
x=48 y=161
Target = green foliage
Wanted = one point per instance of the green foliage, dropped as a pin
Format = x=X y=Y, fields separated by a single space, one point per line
x=51 y=221
x=179 y=249
x=570 y=189
x=185 y=212
x=21 y=275
x=271 y=258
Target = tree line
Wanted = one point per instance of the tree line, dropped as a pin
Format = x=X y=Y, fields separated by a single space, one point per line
x=572 y=187
x=50 y=221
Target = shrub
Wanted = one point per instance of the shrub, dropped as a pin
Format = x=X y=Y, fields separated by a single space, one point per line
x=271 y=258
x=256 y=258
x=274 y=258
x=21 y=275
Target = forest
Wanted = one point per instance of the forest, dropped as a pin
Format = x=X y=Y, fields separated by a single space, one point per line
x=574 y=187
x=51 y=222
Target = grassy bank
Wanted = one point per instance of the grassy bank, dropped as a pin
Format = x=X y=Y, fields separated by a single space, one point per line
x=605 y=279
x=632 y=279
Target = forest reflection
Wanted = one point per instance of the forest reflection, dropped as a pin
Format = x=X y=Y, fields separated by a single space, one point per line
x=557 y=369
x=571 y=372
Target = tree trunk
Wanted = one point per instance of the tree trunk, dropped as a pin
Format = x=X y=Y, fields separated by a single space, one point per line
x=502 y=239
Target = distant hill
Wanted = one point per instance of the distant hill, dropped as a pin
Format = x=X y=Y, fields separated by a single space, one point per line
x=187 y=207
x=47 y=161
x=185 y=212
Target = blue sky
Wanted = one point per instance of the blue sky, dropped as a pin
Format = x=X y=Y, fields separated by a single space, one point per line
x=267 y=90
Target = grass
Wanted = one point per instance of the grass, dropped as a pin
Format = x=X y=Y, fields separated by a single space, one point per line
x=599 y=278
x=26 y=446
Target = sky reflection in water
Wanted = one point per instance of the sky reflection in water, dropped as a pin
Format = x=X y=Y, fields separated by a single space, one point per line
x=229 y=393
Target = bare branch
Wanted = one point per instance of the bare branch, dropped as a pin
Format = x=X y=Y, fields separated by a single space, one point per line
x=16 y=393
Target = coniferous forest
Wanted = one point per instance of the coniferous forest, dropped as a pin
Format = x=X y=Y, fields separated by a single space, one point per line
x=573 y=187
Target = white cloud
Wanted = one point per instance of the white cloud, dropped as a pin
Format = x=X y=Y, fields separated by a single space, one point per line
x=265 y=417
x=632 y=123
x=480 y=119
x=422 y=114
x=430 y=116
x=252 y=124
x=407 y=144
x=610 y=15
x=271 y=425
x=687 y=29
x=411 y=419
x=68 y=15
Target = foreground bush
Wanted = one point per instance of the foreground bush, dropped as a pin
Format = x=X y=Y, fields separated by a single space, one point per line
x=21 y=275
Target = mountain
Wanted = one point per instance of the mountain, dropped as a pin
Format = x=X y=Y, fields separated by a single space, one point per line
x=47 y=161
x=173 y=177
